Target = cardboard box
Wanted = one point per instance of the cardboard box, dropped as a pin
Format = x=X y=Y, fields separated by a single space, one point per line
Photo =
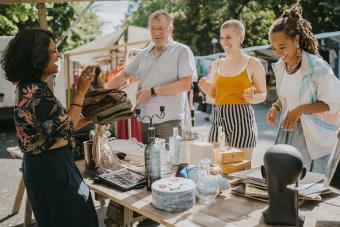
x=235 y=167
x=228 y=155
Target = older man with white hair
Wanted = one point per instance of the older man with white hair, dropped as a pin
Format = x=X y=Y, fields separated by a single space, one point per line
x=166 y=70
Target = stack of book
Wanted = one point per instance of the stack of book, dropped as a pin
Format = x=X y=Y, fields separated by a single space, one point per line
x=253 y=185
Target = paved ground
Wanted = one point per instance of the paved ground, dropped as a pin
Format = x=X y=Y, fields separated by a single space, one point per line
x=10 y=175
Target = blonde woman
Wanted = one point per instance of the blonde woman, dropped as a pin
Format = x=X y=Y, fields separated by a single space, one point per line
x=238 y=80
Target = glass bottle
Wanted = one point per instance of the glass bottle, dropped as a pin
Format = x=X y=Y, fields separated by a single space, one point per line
x=221 y=139
x=152 y=159
x=174 y=146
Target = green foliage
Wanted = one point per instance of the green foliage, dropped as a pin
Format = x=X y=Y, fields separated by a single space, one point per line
x=15 y=17
x=256 y=24
x=147 y=7
x=85 y=31
x=324 y=15
x=198 y=22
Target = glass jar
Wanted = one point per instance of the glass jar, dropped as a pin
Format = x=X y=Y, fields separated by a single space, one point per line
x=206 y=189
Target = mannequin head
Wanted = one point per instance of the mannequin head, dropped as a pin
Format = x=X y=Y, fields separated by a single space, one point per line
x=282 y=166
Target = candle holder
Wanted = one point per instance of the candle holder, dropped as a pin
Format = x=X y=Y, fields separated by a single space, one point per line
x=161 y=116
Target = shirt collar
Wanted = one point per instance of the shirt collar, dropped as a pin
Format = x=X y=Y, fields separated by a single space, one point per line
x=170 y=41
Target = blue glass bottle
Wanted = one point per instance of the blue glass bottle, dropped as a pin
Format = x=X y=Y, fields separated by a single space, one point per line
x=152 y=159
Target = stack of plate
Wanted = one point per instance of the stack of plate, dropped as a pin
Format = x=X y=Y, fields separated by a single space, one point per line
x=173 y=194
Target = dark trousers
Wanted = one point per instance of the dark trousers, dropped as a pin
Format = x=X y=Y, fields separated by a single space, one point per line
x=56 y=190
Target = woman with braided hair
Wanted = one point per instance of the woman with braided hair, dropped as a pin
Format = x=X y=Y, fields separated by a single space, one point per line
x=307 y=88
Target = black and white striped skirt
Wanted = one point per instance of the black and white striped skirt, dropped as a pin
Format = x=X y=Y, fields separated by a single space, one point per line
x=238 y=123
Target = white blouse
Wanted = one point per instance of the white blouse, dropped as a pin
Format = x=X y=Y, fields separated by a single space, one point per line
x=290 y=87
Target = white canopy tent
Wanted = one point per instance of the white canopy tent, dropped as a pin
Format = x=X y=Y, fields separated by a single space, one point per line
x=110 y=45
x=104 y=50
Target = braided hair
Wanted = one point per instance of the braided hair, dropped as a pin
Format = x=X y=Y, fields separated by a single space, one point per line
x=291 y=23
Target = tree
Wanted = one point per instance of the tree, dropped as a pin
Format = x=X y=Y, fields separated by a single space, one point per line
x=85 y=31
x=145 y=8
x=15 y=17
x=324 y=15
x=187 y=15
x=198 y=22
x=256 y=24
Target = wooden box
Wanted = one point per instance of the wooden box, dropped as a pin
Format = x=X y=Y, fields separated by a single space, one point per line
x=235 y=167
x=229 y=155
x=117 y=217
x=115 y=212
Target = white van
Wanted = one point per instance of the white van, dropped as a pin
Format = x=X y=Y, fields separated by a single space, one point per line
x=7 y=89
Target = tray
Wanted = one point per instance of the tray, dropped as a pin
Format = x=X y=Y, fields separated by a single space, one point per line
x=124 y=179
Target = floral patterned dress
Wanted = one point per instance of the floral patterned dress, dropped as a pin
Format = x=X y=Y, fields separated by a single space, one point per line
x=55 y=187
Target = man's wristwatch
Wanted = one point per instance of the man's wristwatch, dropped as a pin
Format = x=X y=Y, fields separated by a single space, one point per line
x=153 y=93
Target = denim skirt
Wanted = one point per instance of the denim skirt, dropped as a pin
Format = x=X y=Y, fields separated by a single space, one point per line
x=296 y=138
x=56 y=190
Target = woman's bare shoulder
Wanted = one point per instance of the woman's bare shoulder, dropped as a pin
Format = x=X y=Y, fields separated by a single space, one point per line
x=253 y=61
x=216 y=62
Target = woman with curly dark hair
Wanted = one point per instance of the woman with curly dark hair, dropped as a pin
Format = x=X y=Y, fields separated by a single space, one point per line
x=308 y=91
x=55 y=187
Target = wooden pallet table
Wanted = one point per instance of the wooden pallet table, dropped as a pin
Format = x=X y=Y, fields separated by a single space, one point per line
x=228 y=210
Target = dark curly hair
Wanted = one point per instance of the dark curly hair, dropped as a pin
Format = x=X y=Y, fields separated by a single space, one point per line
x=26 y=55
x=291 y=23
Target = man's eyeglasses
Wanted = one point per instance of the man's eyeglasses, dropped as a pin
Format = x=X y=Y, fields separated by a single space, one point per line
x=158 y=29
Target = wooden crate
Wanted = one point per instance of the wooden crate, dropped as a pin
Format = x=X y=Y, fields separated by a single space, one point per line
x=230 y=155
x=111 y=223
x=116 y=215
x=115 y=212
x=235 y=167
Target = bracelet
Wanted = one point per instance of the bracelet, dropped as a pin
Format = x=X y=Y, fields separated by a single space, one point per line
x=75 y=104
x=276 y=106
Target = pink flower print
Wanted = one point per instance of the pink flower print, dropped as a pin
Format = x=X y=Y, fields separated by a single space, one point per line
x=30 y=91
x=23 y=136
x=23 y=102
x=27 y=116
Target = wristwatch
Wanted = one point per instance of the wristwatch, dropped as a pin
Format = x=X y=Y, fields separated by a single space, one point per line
x=153 y=93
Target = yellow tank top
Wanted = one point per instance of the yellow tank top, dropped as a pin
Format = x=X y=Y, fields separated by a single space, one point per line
x=229 y=90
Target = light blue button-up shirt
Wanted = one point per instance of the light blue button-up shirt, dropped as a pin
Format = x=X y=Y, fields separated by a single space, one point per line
x=176 y=62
